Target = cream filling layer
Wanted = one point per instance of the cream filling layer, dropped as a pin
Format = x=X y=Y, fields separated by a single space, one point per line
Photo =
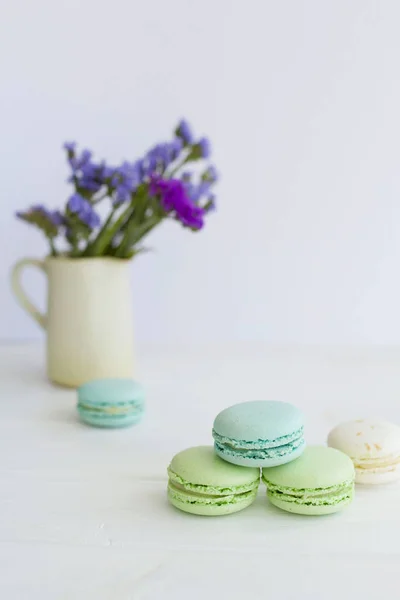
x=181 y=494
x=210 y=490
x=109 y=410
x=372 y=464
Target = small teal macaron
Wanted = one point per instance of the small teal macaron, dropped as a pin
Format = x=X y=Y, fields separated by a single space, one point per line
x=111 y=402
x=259 y=434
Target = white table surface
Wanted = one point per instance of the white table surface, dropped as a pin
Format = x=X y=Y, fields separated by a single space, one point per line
x=83 y=512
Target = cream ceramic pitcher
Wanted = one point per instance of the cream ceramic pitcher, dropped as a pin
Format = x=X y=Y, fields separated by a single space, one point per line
x=89 y=317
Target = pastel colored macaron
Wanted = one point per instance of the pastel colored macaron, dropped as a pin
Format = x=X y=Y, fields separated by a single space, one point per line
x=373 y=446
x=202 y=484
x=320 y=482
x=110 y=402
x=259 y=434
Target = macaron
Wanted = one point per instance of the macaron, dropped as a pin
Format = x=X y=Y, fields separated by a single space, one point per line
x=373 y=446
x=202 y=484
x=320 y=482
x=259 y=434
x=110 y=402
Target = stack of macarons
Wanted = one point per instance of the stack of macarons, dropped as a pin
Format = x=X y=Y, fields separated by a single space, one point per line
x=267 y=438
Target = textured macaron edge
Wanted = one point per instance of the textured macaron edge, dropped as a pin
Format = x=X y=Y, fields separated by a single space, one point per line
x=382 y=463
x=309 y=510
x=110 y=407
x=108 y=414
x=328 y=496
x=103 y=418
x=211 y=510
x=211 y=490
x=258 y=444
x=260 y=462
x=260 y=454
x=188 y=497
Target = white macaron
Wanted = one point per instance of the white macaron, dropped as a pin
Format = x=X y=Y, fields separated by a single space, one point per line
x=373 y=446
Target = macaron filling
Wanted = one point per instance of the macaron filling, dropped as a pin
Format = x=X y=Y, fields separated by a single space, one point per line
x=330 y=496
x=258 y=444
x=187 y=492
x=110 y=409
x=259 y=449
x=377 y=465
x=119 y=412
x=209 y=490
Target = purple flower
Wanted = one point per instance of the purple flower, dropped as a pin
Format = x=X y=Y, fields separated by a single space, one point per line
x=57 y=218
x=74 y=163
x=162 y=154
x=76 y=203
x=195 y=192
x=90 y=176
x=174 y=199
x=106 y=172
x=84 y=211
x=90 y=218
x=149 y=164
x=205 y=147
x=89 y=184
x=204 y=188
x=85 y=157
x=123 y=194
x=78 y=162
x=128 y=175
x=70 y=146
x=159 y=156
x=184 y=131
x=176 y=148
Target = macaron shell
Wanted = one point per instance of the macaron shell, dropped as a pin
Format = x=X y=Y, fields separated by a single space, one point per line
x=317 y=467
x=259 y=420
x=211 y=510
x=366 y=439
x=200 y=465
x=303 y=509
x=237 y=459
x=108 y=391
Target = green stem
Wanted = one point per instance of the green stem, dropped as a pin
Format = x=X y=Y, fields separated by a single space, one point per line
x=178 y=167
x=134 y=235
x=52 y=247
x=99 y=199
x=107 y=233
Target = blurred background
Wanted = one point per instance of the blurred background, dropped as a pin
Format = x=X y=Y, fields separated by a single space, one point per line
x=301 y=100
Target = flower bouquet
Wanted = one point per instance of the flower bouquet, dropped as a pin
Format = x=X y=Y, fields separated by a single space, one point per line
x=140 y=195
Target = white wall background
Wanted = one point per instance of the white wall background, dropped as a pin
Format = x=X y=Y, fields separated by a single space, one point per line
x=301 y=99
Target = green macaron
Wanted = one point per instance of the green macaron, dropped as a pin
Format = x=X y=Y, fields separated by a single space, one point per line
x=319 y=482
x=201 y=483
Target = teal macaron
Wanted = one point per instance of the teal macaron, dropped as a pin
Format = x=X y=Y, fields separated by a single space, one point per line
x=320 y=482
x=259 y=434
x=201 y=483
x=111 y=402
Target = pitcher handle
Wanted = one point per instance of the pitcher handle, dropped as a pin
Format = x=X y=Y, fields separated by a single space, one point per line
x=19 y=291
